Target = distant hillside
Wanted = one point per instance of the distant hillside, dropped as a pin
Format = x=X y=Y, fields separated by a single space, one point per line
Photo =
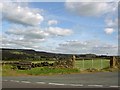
x=28 y=54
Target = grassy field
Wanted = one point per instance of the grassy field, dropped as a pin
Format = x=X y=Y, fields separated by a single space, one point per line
x=8 y=71
x=98 y=64
x=80 y=64
x=48 y=71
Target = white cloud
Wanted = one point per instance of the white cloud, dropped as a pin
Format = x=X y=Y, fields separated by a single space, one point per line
x=91 y=46
x=111 y=22
x=39 y=33
x=28 y=33
x=52 y=22
x=90 y=8
x=96 y=8
x=21 y=45
x=31 y=37
x=59 y=31
x=21 y=15
x=18 y=41
x=21 y=37
x=111 y=25
x=109 y=30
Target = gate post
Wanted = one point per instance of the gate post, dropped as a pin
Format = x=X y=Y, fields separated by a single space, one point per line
x=112 y=62
x=73 y=60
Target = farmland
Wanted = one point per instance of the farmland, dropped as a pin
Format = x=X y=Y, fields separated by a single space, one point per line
x=98 y=64
x=8 y=71
x=64 y=65
x=80 y=64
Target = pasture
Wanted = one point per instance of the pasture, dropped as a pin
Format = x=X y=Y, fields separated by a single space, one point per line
x=97 y=64
x=7 y=71
x=86 y=64
x=79 y=65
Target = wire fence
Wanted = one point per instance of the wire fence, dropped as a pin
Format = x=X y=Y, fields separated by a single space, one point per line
x=96 y=64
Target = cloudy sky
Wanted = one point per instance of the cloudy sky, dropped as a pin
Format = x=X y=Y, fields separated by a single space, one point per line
x=60 y=27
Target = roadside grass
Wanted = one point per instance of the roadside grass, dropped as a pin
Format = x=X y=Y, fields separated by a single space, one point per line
x=8 y=71
x=48 y=71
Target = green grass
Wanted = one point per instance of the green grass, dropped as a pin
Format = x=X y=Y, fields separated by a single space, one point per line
x=48 y=71
x=8 y=71
x=88 y=64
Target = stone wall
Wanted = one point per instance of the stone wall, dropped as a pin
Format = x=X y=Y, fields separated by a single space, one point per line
x=65 y=63
x=114 y=62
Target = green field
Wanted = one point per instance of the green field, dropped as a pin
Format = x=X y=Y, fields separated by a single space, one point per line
x=8 y=71
x=80 y=64
x=48 y=71
x=98 y=64
x=83 y=64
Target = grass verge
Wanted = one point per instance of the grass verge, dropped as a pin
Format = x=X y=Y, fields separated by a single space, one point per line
x=7 y=71
x=48 y=71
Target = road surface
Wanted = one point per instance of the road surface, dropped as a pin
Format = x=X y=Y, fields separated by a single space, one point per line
x=90 y=80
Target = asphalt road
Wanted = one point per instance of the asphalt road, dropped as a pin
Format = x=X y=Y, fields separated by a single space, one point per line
x=91 y=80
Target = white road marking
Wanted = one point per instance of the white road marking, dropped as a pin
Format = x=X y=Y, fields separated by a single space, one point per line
x=25 y=82
x=63 y=84
x=95 y=85
x=56 y=84
x=75 y=84
x=115 y=86
x=16 y=81
x=11 y=80
x=40 y=82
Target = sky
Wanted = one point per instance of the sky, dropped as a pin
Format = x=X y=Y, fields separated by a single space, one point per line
x=60 y=27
